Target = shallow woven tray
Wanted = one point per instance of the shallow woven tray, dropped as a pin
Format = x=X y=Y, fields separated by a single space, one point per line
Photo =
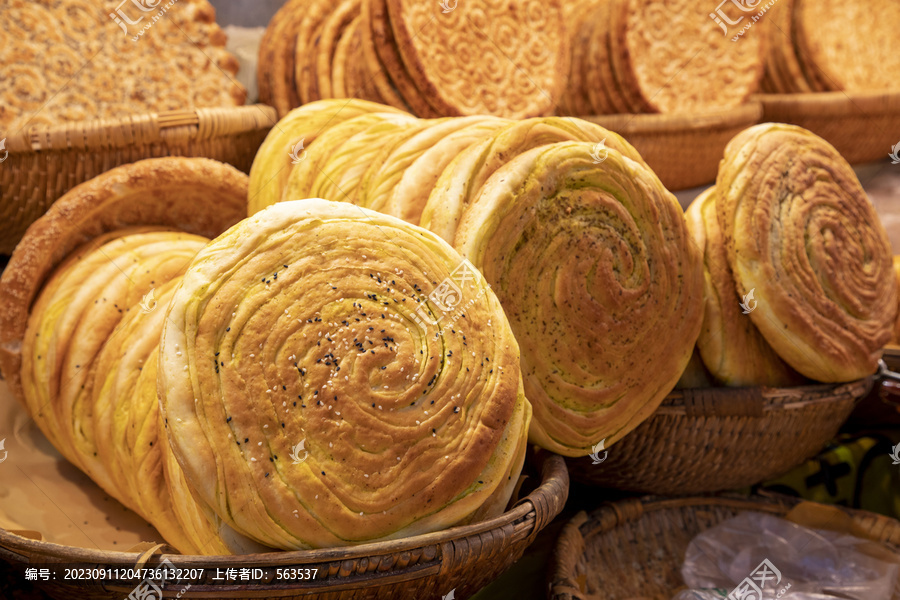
x=45 y=162
x=683 y=150
x=862 y=126
x=463 y=559
x=714 y=439
x=634 y=549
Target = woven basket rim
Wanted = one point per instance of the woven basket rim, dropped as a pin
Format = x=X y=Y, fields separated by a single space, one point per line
x=743 y=115
x=553 y=474
x=832 y=104
x=608 y=516
x=772 y=399
x=150 y=127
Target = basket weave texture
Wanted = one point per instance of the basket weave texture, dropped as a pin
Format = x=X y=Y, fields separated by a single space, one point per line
x=683 y=150
x=634 y=549
x=463 y=559
x=715 y=439
x=862 y=126
x=45 y=162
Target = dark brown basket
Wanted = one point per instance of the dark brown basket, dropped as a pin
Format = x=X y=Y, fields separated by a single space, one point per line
x=426 y=566
x=47 y=161
x=683 y=150
x=634 y=549
x=715 y=439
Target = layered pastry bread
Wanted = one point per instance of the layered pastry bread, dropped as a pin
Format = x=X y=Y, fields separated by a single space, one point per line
x=804 y=240
x=313 y=376
x=592 y=262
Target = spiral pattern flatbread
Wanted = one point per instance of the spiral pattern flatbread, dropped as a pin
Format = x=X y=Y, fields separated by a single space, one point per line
x=731 y=347
x=591 y=261
x=285 y=145
x=802 y=234
x=507 y=59
x=463 y=178
x=334 y=151
x=849 y=46
x=314 y=395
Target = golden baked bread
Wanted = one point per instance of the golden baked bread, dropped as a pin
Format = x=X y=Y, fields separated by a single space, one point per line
x=651 y=56
x=70 y=60
x=504 y=58
x=309 y=396
x=287 y=143
x=601 y=283
x=336 y=163
x=418 y=56
x=81 y=309
x=731 y=347
x=195 y=195
x=463 y=178
x=802 y=235
x=412 y=170
x=848 y=45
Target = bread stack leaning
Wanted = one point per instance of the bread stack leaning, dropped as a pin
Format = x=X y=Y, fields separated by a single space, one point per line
x=819 y=47
x=588 y=253
x=800 y=279
x=428 y=58
x=649 y=56
x=284 y=385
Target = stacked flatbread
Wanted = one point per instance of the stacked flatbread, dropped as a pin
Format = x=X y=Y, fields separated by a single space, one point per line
x=429 y=58
x=285 y=385
x=800 y=277
x=587 y=251
x=68 y=60
x=820 y=47
x=654 y=56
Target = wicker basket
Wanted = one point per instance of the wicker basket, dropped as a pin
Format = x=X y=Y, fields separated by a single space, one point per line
x=427 y=566
x=862 y=126
x=634 y=549
x=45 y=162
x=683 y=150
x=715 y=439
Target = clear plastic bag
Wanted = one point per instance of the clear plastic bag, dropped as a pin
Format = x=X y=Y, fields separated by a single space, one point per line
x=756 y=556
